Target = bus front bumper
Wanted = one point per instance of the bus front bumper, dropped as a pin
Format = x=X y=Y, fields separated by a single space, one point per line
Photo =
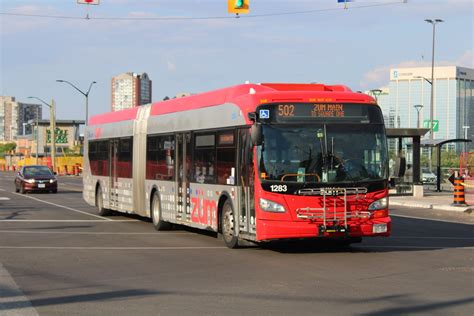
x=269 y=229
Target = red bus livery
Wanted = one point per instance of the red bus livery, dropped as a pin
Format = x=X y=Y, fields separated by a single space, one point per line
x=252 y=162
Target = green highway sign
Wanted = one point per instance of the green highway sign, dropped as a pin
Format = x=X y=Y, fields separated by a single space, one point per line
x=435 y=126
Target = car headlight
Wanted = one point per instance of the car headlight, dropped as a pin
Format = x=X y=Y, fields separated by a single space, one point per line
x=30 y=180
x=379 y=204
x=271 y=206
x=52 y=180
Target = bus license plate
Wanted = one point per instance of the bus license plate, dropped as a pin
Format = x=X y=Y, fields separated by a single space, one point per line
x=41 y=185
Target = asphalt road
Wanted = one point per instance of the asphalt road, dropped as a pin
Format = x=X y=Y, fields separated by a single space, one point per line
x=57 y=257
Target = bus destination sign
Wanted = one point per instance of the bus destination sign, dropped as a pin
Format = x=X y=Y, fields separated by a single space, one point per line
x=289 y=111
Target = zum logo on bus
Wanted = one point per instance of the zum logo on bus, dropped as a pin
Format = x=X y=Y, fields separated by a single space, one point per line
x=201 y=209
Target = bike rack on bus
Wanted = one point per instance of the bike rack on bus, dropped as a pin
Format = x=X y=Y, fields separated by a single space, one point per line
x=324 y=213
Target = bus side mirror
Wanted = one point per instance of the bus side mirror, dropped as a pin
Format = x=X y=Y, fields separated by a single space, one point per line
x=256 y=134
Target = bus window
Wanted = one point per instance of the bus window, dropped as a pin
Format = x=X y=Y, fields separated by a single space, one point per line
x=204 y=159
x=99 y=158
x=124 y=161
x=226 y=158
x=160 y=158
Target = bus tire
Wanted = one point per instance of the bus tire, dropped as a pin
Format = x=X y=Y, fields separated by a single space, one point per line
x=99 y=202
x=228 y=226
x=155 y=210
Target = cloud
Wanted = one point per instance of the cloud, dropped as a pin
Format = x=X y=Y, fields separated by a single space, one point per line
x=380 y=76
x=467 y=59
x=171 y=66
x=15 y=24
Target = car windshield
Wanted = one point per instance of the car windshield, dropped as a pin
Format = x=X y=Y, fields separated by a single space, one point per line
x=323 y=153
x=36 y=171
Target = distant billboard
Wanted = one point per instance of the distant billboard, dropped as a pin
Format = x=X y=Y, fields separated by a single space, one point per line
x=88 y=1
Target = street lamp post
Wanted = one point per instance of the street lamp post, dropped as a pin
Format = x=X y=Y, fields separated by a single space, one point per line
x=465 y=136
x=376 y=93
x=418 y=107
x=52 y=124
x=432 y=22
x=85 y=94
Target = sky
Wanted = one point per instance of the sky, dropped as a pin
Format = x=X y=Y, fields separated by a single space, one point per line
x=196 y=46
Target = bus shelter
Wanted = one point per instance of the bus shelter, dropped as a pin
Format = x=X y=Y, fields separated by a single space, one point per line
x=413 y=134
x=438 y=143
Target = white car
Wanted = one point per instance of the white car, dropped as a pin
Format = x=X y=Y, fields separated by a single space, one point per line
x=427 y=176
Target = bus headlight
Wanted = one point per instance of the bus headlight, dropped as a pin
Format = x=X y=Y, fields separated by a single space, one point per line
x=270 y=206
x=379 y=204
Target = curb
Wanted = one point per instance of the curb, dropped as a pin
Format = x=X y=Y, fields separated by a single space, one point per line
x=442 y=207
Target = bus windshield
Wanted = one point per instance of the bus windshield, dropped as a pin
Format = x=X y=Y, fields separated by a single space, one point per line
x=324 y=153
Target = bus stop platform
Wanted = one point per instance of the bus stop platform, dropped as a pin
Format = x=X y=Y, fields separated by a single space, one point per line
x=431 y=200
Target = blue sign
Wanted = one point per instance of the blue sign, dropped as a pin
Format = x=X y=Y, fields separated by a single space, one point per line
x=264 y=114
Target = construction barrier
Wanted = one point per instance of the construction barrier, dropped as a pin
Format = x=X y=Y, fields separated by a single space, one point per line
x=459 y=198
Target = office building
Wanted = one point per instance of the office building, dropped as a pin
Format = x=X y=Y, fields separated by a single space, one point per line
x=130 y=90
x=453 y=103
x=16 y=118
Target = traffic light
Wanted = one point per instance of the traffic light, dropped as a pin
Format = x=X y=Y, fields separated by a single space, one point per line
x=238 y=6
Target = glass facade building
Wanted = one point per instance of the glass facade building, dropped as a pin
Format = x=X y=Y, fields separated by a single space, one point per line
x=453 y=103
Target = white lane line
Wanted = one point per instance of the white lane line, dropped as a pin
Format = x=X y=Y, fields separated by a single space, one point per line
x=430 y=219
x=4 y=199
x=410 y=247
x=425 y=237
x=62 y=206
x=2 y=190
x=89 y=233
x=115 y=248
x=68 y=220
x=70 y=183
x=12 y=299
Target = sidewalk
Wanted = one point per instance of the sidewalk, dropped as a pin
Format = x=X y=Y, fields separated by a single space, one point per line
x=431 y=200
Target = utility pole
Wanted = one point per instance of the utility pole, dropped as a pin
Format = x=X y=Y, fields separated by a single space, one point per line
x=36 y=135
x=52 y=123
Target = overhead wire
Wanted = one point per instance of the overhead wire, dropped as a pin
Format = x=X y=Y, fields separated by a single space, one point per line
x=88 y=17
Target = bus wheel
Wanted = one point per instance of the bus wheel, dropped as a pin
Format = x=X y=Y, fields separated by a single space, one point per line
x=228 y=226
x=99 y=201
x=156 y=214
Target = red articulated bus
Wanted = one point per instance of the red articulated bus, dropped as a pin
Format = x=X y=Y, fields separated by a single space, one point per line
x=253 y=162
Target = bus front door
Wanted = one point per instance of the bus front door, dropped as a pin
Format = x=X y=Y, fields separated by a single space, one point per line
x=183 y=157
x=113 y=189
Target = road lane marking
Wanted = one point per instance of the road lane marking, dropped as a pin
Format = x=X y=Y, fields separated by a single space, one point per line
x=425 y=237
x=431 y=219
x=91 y=233
x=69 y=220
x=114 y=248
x=4 y=199
x=14 y=302
x=62 y=206
x=412 y=247
x=70 y=183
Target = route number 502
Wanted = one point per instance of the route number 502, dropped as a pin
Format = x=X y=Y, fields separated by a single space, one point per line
x=286 y=110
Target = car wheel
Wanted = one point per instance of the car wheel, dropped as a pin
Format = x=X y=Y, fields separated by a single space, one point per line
x=54 y=191
x=99 y=202
x=228 y=226
x=155 y=211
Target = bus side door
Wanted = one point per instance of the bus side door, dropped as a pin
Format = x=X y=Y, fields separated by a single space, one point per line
x=183 y=158
x=113 y=196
